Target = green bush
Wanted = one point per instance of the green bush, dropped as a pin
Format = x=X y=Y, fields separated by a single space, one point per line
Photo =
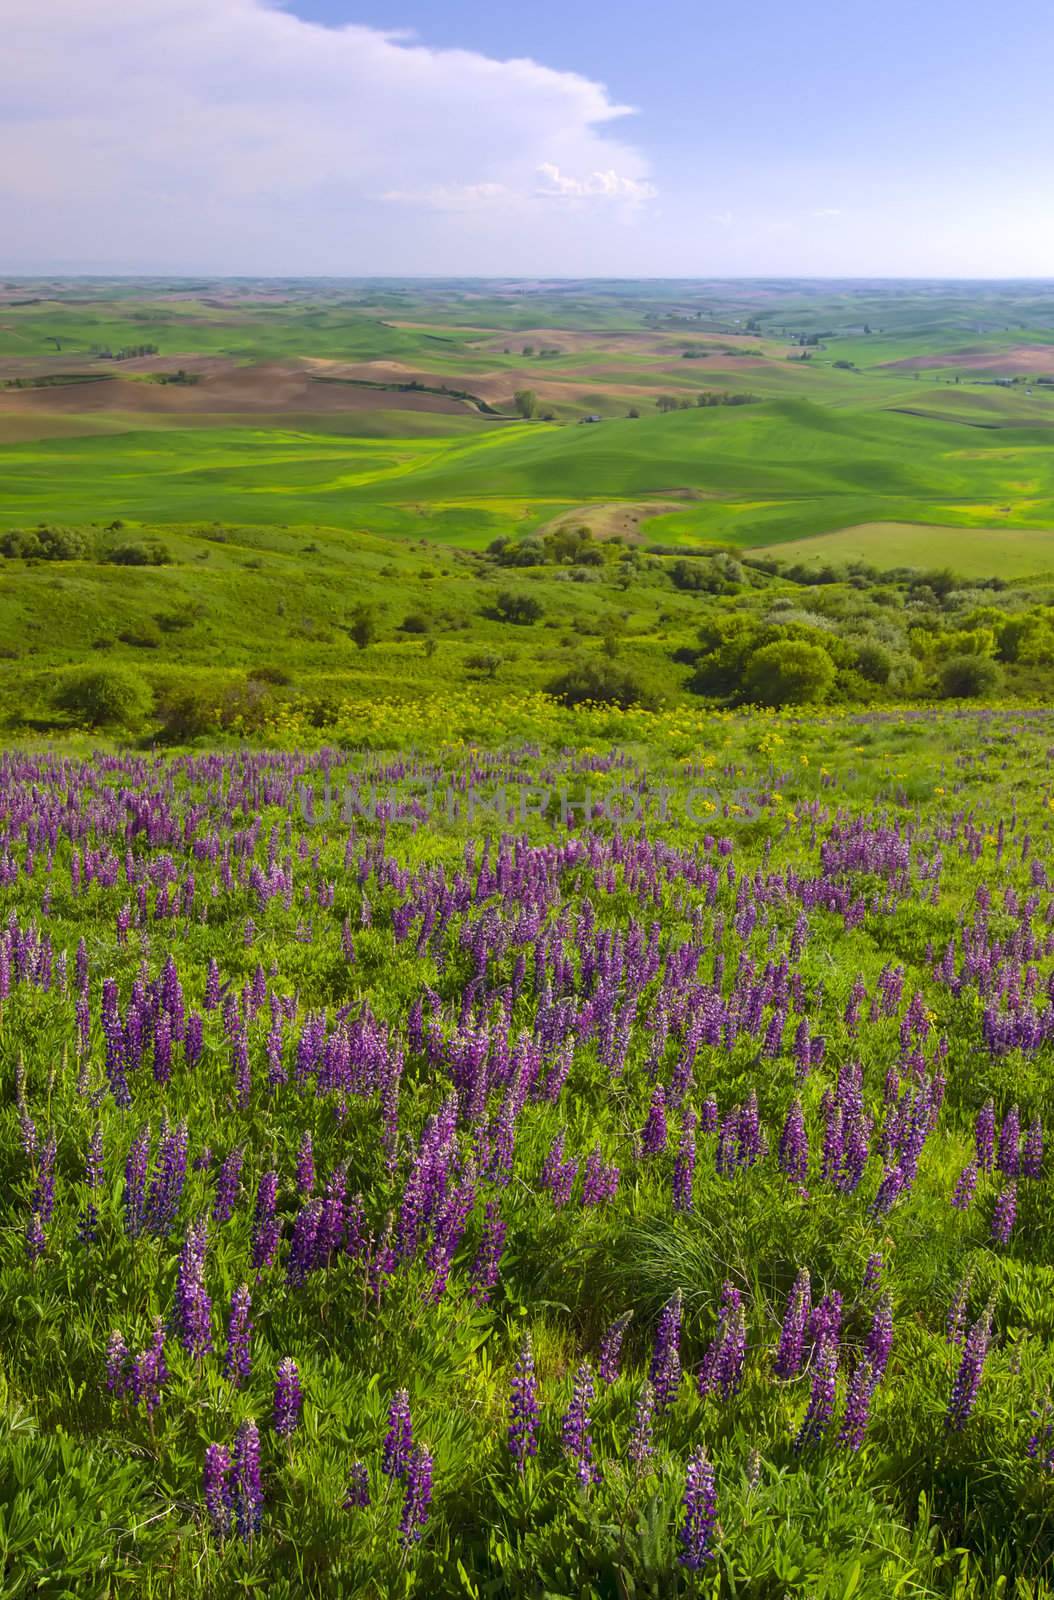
x=522 y=609
x=188 y=710
x=141 y=553
x=969 y=678
x=45 y=544
x=603 y=683
x=874 y=662
x=789 y=673
x=104 y=697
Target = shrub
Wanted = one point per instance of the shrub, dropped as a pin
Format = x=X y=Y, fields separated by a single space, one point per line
x=874 y=662
x=45 y=544
x=270 y=674
x=485 y=661
x=144 y=635
x=416 y=622
x=363 y=626
x=789 y=673
x=104 y=697
x=187 y=710
x=521 y=609
x=969 y=678
x=602 y=682
x=141 y=553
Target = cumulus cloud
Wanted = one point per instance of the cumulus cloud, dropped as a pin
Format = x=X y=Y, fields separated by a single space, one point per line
x=598 y=185
x=231 y=135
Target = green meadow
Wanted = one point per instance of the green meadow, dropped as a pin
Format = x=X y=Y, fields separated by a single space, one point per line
x=752 y=475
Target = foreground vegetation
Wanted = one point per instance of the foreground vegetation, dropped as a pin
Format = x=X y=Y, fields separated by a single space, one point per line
x=686 y=1171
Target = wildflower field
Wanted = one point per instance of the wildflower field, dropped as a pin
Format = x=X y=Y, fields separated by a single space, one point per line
x=607 y=1164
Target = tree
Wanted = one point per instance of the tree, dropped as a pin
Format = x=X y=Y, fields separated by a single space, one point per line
x=969 y=678
x=486 y=661
x=526 y=402
x=788 y=673
x=602 y=683
x=522 y=609
x=105 y=697
x=363 y=626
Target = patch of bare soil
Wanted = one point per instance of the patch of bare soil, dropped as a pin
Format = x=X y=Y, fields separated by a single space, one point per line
x=622 y=519
x=1020 y=359
x=219 y=386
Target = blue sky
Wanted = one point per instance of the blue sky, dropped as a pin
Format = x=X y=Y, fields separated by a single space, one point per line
x=548 y=138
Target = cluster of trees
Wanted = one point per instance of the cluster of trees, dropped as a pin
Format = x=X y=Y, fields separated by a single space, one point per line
x=126 y=353
x=529 y=407
x=564 y=546
x=48 y=542
x=45 y=543
x=706 y=397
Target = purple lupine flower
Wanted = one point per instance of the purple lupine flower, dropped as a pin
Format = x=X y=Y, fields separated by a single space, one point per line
x=699 y=1517
x=1009 y=1159
x=665 y=1371
x=611 y=1348
x=822 y=1396
x=889 y=1191
x=193 y=1310
x=305 y=1164
x=400 y=1437
x=955 y=1321
x=217 y=1488
x=246 y=1488
x=1005 y=1213
x=227 y=1181
x=523 y=1407
x=792 y=1334
x=722 y=1368
x=35 y=1238
x=149 y=1372
x=1032 y=1150
x=266 y=1228
x=357 y=1495
x=42 y=1201
x=117 y=1360
x=418 y=1480
x=1040 y=1447
x=862 y=1386
x=135 y=1183
x=237 y=1365
x=488 y=1257
x=640 y=1447
x=194 y=1040
x=984 y=1136
x=28 y=1130
x=872 y=1271
x=575 y=1429
x=212 y=985
x=684 y=1165
x=166 y=1186
x=303 y=1255
x=879 y=1341
x=963 y=1397
x=288 y=1398
x=794 y=1146
x=654 y=1134
x=599 y=1181
x=965 y=1185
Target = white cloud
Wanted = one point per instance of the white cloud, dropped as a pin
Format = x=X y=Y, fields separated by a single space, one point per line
x=827 y=211
x=598 y=185
x=216 y=135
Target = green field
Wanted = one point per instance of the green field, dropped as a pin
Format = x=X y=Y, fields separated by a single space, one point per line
x=307 y=452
